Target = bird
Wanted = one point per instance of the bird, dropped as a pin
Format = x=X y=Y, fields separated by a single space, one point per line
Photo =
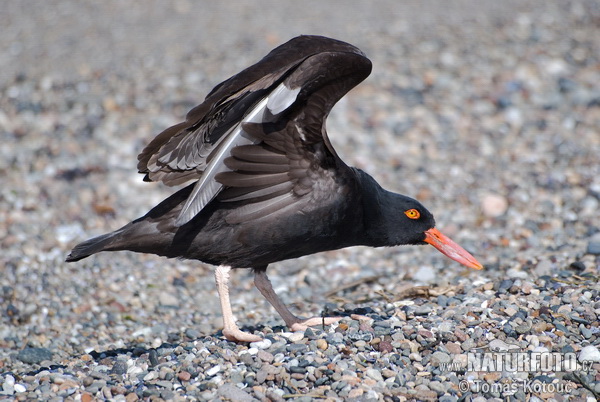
x=265 y=183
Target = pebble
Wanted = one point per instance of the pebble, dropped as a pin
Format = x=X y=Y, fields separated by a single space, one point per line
x=34 y=355
x=374 y=374
x=494 y=205
x=213 y=370
x=589 y=353
x=593 y=247
x=233 y=393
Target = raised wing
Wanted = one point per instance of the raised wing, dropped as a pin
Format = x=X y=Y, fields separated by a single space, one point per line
x=261 y=134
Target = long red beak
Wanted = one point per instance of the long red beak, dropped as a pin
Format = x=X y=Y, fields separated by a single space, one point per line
x=451 y=249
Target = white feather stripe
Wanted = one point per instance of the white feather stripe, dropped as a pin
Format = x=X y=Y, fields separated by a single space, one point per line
x=207 y=187
x=282 y=98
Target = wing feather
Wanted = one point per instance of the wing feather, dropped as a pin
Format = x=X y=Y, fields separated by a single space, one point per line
x=259 y=137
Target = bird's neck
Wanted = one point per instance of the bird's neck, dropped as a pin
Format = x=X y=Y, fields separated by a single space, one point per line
x=379 y=210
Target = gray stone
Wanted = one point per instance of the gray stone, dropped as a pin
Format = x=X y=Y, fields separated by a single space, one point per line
x=34 y=355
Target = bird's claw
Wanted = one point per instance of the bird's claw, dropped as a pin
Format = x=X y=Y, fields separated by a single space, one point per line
x=237 y=335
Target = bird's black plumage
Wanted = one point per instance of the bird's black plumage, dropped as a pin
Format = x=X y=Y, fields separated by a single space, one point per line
x=268 y=185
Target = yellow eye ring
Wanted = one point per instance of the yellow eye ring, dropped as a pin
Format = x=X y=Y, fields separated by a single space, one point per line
x=412 y=213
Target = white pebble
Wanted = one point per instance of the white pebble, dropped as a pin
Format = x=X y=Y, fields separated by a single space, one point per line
x=151 y=376
x=589 y=353
x=20 y=388
x=493 y=205
x=9 y=380
x=213 y=370
x=296 y=336
x=264 y=344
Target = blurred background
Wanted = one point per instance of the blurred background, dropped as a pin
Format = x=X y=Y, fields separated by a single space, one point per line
x=487 y=112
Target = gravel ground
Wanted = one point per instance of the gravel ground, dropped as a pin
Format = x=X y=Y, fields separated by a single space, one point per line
x=488 y=112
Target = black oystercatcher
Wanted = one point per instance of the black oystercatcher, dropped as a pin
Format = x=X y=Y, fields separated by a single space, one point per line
x=268 y=185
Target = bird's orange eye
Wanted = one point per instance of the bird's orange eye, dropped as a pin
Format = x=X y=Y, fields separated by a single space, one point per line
x=412 y=213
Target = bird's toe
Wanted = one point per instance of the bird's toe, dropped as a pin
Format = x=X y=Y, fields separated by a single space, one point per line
x=237 y=335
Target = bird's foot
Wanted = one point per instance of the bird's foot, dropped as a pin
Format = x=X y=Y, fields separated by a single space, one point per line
x=301 y=324
x=237 y=335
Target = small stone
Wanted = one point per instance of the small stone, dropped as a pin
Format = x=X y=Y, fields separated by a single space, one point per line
x=233 y=393
x=523 y=328
x=296 y=336
x=468 y=344
x=131 y=397
x=265 y=356
x=385 y=347
x=593 y=248
x=120 y=367
x=152 y=375
x=374 y=374
x=453 y=348
x=438 y=387
x=492 y=377
x=297 y=347
x=586 y=332
x=20 y=388
x=87 y=397
x=493 y=205
x=262 y=344
x=589 y=353
x=577 y=266
x=184 y=376
x=544 y=267
x=438 y=358
x=426 y=334
x=168 y=300
x=425 y=274
x=213 y=371
x=192 y=333
x=322 y=344
x=34 y=355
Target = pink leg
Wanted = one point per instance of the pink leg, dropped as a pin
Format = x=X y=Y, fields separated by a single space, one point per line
x=263 y=284
x=230 y=328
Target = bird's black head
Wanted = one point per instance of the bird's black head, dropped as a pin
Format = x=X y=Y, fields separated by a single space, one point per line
x=406 y=221
x=393 y=219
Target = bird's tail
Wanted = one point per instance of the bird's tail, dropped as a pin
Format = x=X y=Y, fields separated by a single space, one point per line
x=92 y=246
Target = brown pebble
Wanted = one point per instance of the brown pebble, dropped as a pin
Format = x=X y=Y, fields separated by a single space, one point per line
x=488 y=286
x=363 y=326
x=385 y=347
x=426 y=334
x=86 y=397
x=427 y=395
x=492 y=377
x=184 y=376
x=265 y=356
x=322 y=344
x=131 y=397
x=460 y=335
x=454 y=348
